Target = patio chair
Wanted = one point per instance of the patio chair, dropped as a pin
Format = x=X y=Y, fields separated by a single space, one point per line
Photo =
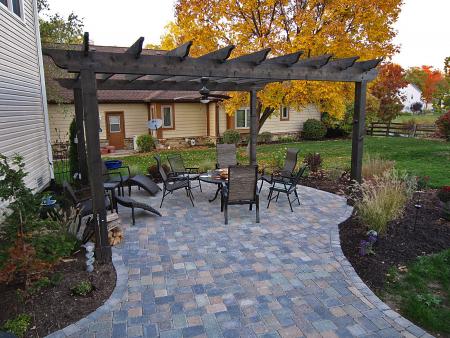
x=226 y=155
x=289 y=166
x=180 y=170
x=117 y=176
x=133 y=204
x=85 y=204
x=241 y=189
x=286 y=185
x=171 y=184
x=146 y=183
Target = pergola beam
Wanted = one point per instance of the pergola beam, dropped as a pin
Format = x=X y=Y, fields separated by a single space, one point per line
x=220 y=55
x=255 y=58
x=286 y=60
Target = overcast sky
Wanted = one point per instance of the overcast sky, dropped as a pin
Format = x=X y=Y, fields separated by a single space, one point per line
x=423 y=27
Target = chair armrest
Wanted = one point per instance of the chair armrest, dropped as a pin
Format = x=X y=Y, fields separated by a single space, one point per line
x=114 y=173
x=126 y=167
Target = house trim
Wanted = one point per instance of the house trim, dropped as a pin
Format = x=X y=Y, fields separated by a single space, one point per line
x=172 y=108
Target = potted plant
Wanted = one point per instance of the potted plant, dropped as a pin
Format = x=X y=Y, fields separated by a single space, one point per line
x=444 y=197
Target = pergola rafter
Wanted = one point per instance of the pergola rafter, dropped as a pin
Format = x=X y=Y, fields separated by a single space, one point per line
x=176 y=70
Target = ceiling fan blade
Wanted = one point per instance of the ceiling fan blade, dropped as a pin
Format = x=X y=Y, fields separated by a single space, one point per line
x=187 y=97
x=220 y=96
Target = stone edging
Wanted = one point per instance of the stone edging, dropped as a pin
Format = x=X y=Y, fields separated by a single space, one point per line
x=115 y=298
x=362 y=290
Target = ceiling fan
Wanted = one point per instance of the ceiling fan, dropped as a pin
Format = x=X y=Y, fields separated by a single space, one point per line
x=205 y=94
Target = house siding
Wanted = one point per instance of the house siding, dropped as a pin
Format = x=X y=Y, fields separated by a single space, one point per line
x=295 y=122
x=190 y=121
x=135 y=115
x=23 y=117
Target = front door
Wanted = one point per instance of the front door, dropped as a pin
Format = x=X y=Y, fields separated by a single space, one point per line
x=115 y=129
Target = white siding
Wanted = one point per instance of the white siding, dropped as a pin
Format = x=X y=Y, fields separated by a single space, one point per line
x=22 y=94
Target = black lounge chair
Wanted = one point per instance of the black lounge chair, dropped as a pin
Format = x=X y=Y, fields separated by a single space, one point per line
x=241 y=188
x=145 y=183
x=288 y=169
x=226 y=155
x=180 y=170
x=171 y=184
x=133 y=204
x=114 y=175
x=286 y=185
x=85 y=204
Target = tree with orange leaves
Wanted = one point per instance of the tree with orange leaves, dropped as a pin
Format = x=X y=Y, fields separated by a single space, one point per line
x=387 y=89
x=341 y=27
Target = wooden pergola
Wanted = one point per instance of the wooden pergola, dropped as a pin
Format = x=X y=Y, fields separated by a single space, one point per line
x=176 y=70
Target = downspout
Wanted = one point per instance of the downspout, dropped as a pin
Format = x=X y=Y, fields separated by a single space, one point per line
x=43 y=90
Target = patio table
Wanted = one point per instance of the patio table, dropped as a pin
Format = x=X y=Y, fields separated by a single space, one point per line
x=214 y=179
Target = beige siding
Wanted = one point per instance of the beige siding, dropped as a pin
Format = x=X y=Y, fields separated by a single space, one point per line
x=22 y=105
x=190 y=121
x=212 y=119
x=222 y=119
x=295 y=123
x=135 y=114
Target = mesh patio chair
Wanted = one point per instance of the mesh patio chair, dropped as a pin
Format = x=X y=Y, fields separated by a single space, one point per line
x=241 y=189
x=286 y=185
x=171 y=184
x=180 y=170
x=115 y=175
x=289 y=166
x=226 y=155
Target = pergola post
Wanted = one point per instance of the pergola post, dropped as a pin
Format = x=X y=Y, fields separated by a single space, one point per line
x=81 y=145
x=95 y=164
x=253 y=126
x=359 y=119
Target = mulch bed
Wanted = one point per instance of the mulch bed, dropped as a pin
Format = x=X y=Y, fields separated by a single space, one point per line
x=54 y=307
x=401 y=244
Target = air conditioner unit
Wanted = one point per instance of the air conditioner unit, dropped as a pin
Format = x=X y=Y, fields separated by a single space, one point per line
x=192 y=142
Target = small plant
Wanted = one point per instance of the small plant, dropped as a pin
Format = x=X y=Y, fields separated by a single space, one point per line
x=231 y=136
x=366 y=246
x=422 y=182
x=416 y=107
x=313 y=161
x=83 y=288
x=19 y=325
x=429 y=299
x=41 y=283
x=145 y=143
x=314 y=130
x=443 y=124
x=265 y=137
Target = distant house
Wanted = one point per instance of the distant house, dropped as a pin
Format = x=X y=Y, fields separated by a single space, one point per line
x=124 y=115
x=412 y=94
x=23 y=110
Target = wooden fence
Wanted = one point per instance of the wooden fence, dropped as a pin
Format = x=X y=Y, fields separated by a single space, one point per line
x=401 y=129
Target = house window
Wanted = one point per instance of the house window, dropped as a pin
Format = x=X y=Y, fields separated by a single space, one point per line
x=167 y=116
x=14 y=6
x=242 y=118
x=284 y=113
x=114 y=124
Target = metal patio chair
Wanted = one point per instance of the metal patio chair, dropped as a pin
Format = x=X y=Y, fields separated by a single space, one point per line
x=286 y=185
x=241 y=189
x=180 y=170
x=288 y=169
x=171 y=184
x=226 y=155
x=114 y=175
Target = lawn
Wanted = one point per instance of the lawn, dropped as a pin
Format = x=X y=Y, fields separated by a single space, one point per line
x=417 y=156
x=429 y=118
x=423 y=292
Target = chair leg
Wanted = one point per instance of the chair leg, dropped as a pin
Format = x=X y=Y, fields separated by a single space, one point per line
x=257 y=209
x=189 y=193
x=289 y=200
x=164 y=195
x=200 y=184
x=226 y=213
x=277 y=197
x=296 y=195
x=260 y=187
x=129 y=189
x=270 y=198
x=250 y=207
x=132 y=215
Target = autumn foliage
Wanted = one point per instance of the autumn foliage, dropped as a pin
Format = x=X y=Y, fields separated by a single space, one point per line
x=340 y=27
x=387 y=89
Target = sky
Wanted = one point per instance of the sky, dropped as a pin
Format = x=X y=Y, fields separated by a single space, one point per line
x=423 y=27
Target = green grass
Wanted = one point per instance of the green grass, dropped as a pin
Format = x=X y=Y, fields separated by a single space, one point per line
x=423 y=292
x=417 y=156
x=429 y=118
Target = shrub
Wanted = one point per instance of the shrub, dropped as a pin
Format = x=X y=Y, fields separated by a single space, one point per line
x=314 y=161
x=416 y=107
x=286 y=139
x=19 y=325
x=145 y=142
x=82 y=288
x=265 y=137
x=443 y=124
x=231 y=136
x=383 y=198
x=313 y=130
x=444 y=194
x=375 y=166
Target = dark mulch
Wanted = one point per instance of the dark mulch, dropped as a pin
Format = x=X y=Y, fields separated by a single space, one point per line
x=54 y=307
x=401 y=243
x=339 y=187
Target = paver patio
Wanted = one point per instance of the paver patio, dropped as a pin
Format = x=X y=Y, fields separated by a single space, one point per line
x=187 y=274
